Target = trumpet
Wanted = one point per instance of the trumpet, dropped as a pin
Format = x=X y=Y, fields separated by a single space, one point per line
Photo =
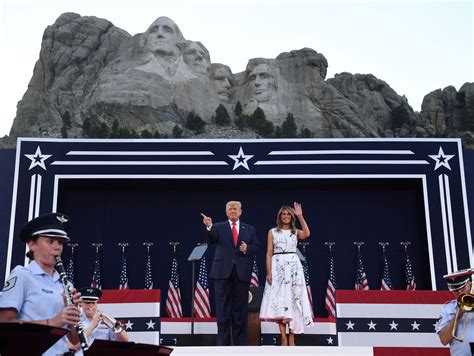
x=113 y=324
x=465 y=303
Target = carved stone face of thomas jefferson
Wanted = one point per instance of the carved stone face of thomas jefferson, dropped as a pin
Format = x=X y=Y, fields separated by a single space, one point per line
x=196 y=57
x=221 y=78
x=261 y=82
x=162 y=37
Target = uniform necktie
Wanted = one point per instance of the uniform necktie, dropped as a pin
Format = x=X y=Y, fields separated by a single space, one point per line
x=235 y=234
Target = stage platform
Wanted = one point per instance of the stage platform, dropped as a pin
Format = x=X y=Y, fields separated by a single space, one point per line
x=308 y=351
x=272 y=350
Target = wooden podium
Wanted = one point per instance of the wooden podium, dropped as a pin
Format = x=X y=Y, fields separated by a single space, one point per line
x=253 y=320
x=22 y=338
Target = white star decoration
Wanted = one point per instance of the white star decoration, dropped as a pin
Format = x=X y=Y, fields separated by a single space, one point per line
x=441 y=159
x=128 y=325
x=415 y=325
x=330 y=340
x=350 y=325
x=37 y=159
x=151 y=325
x=241 y=159
x=393 y=325
x=371 y=325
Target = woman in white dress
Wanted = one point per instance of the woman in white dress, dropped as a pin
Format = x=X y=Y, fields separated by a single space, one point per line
x=285 y=299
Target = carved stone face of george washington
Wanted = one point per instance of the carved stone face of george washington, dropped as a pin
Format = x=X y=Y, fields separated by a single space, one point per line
x=162 y=37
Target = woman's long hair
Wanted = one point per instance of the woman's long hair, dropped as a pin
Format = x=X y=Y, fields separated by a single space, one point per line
x=292 y=221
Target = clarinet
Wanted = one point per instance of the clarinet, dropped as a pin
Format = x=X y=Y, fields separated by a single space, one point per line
x=68 y=294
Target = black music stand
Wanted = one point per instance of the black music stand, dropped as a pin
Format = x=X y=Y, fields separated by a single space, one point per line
x=119 y=348
x=23 y=338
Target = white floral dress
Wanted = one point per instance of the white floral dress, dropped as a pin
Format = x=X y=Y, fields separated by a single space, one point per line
x=286 y=299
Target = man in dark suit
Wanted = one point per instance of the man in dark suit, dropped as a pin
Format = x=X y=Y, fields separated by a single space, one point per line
x=231 y=269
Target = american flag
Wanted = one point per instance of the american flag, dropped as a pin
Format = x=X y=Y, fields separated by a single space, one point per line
x=409 y=275
x=123 y=273
x=148 y=273
x=308 y=285
x=361 y=282
x=202 y=307
x=254 y=278
x=386 y=283
x=96 y=283
x=70 y=270
x=173 y=299
x=330 y=302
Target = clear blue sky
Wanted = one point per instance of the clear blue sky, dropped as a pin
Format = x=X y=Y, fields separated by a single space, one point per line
x=415 y=46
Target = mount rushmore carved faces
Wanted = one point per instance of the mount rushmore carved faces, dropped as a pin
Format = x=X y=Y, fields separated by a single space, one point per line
x=221 y=76
x=196 y=56
x=262 y=81
x=161 y=51
x=163 y=36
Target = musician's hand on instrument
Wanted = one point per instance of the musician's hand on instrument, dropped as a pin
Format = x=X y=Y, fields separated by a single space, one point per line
x=96 y=319
x=68 y=315
x=76 y=296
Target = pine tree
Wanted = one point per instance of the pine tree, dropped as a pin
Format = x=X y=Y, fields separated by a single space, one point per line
x=115 y=129
x=238 y=109
x=86 y=127
x=260 y=124
x=289 y=128
x=177 y=131
x=146 y=134
x=306 y=133
x=195 y=123
x=222 y=117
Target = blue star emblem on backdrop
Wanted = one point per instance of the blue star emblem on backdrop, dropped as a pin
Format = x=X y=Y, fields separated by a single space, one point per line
x=241 y=159
x=37 y=159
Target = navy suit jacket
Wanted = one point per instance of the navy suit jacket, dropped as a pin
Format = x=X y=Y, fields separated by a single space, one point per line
x=227 y=255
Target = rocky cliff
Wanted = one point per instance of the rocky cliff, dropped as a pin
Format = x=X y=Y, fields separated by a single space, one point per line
x=93 y=79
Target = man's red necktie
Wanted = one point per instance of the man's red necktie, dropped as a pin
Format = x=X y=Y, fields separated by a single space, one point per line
x=235 y=234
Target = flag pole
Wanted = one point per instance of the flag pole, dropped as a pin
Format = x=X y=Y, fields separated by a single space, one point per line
x=70 y=270
x=97 y=246
x=148 y=274
x=330 y=300
x=123 y=284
